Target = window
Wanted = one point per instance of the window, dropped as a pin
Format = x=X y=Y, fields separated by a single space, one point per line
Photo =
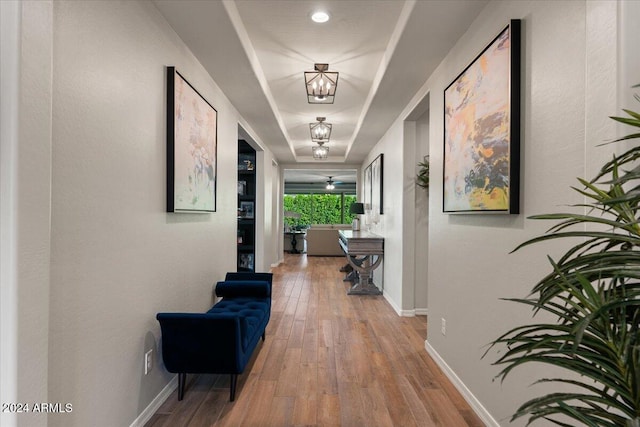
x=318 y=209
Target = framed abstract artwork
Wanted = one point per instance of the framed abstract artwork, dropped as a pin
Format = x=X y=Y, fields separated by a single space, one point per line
x=367 y=189
x=377 y=169
x=372 y=187
x=481 y=171
x=192 y=143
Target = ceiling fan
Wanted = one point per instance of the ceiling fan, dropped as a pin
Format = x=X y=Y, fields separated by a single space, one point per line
x=330 y=184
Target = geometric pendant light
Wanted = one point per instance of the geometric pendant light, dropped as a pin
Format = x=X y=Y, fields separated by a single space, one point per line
x=321 y=84
x=320 y=131
x=320 y=152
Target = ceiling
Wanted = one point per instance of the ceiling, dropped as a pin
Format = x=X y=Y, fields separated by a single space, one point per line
x=316 y=180
x=320 y=175
x=258 y=50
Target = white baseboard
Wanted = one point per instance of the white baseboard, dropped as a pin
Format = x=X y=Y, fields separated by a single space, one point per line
x=275 y=264
x=475 y=404
x=404 y=313
x=155 y=403
x=408 y=313
x=392 y=303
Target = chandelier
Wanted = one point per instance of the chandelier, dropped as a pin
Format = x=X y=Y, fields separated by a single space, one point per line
x=321 y=84
x=320 y=152
x=320 y=131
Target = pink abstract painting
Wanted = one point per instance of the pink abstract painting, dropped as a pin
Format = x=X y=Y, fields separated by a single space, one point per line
x=477 y=126
x=194 y=149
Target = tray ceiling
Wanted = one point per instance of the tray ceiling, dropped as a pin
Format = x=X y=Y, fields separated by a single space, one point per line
x=258 y=50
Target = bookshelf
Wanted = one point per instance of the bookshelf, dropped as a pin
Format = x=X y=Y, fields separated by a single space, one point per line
x=246 y=236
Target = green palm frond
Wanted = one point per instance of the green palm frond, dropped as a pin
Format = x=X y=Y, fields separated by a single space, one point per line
x=593 y=293
x=422 y=179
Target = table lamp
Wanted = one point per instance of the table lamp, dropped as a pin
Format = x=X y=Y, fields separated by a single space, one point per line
x=290 y=214
x=356 y=209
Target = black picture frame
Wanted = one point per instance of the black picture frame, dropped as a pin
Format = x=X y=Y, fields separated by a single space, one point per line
x=481 y=156
x=248 y=210
x=246 y=261
x=242 y=188
x=374 y=185
x=367 y=189
x=192 y=144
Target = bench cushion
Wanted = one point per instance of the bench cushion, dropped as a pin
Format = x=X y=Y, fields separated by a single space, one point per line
x=243 y=288
x=253 y=315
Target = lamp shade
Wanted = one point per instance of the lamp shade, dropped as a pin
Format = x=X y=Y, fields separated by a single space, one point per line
x=356 y=208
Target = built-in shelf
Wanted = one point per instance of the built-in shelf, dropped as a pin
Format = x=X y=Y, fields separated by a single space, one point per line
x=246 y=202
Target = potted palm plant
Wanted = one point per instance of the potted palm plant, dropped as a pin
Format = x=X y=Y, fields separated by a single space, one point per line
x=592 y=296
x=422 y=179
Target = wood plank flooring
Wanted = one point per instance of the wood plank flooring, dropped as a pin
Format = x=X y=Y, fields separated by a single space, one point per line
x=329 y=359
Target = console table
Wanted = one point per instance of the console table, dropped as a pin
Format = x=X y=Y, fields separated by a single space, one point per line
x=364 y=252
x=294 y=241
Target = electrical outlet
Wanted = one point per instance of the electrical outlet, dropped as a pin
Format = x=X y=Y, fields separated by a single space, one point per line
x=148 y=361
x=443 y=326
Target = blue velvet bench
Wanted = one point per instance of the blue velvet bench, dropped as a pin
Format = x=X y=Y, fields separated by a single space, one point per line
x=222 y=340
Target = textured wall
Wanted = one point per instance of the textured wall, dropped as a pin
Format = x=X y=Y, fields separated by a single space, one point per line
x=568 y=57
x=25 y=165
x=422 y=219
x=568 y=90
x=117 y=257
x=390 y=223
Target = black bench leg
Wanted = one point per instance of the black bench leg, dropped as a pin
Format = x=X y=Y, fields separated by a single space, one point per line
x=181 y=380
x=234 y=381
x=263 y=335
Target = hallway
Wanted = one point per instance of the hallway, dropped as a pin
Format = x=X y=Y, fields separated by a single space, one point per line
x=328 y=360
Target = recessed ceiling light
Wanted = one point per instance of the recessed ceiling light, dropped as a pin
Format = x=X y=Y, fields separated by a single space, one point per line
x=320 y=17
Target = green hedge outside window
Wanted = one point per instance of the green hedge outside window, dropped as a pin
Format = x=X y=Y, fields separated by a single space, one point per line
x=318 y=209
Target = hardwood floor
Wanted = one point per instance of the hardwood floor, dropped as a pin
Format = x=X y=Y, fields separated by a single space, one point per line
x=329 y=359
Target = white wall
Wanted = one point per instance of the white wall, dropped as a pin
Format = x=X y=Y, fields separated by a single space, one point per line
x=34 y=188
x=421 y=205
x=25 y=166
x=569 y=89
x=408 y=222
x=9 y=129
x=568 y=57
x=270 y=209
x=96 y=256
x=273 y=250
x=116 y=258
x=404 y=224
x=628 y=52
x=390 y=224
